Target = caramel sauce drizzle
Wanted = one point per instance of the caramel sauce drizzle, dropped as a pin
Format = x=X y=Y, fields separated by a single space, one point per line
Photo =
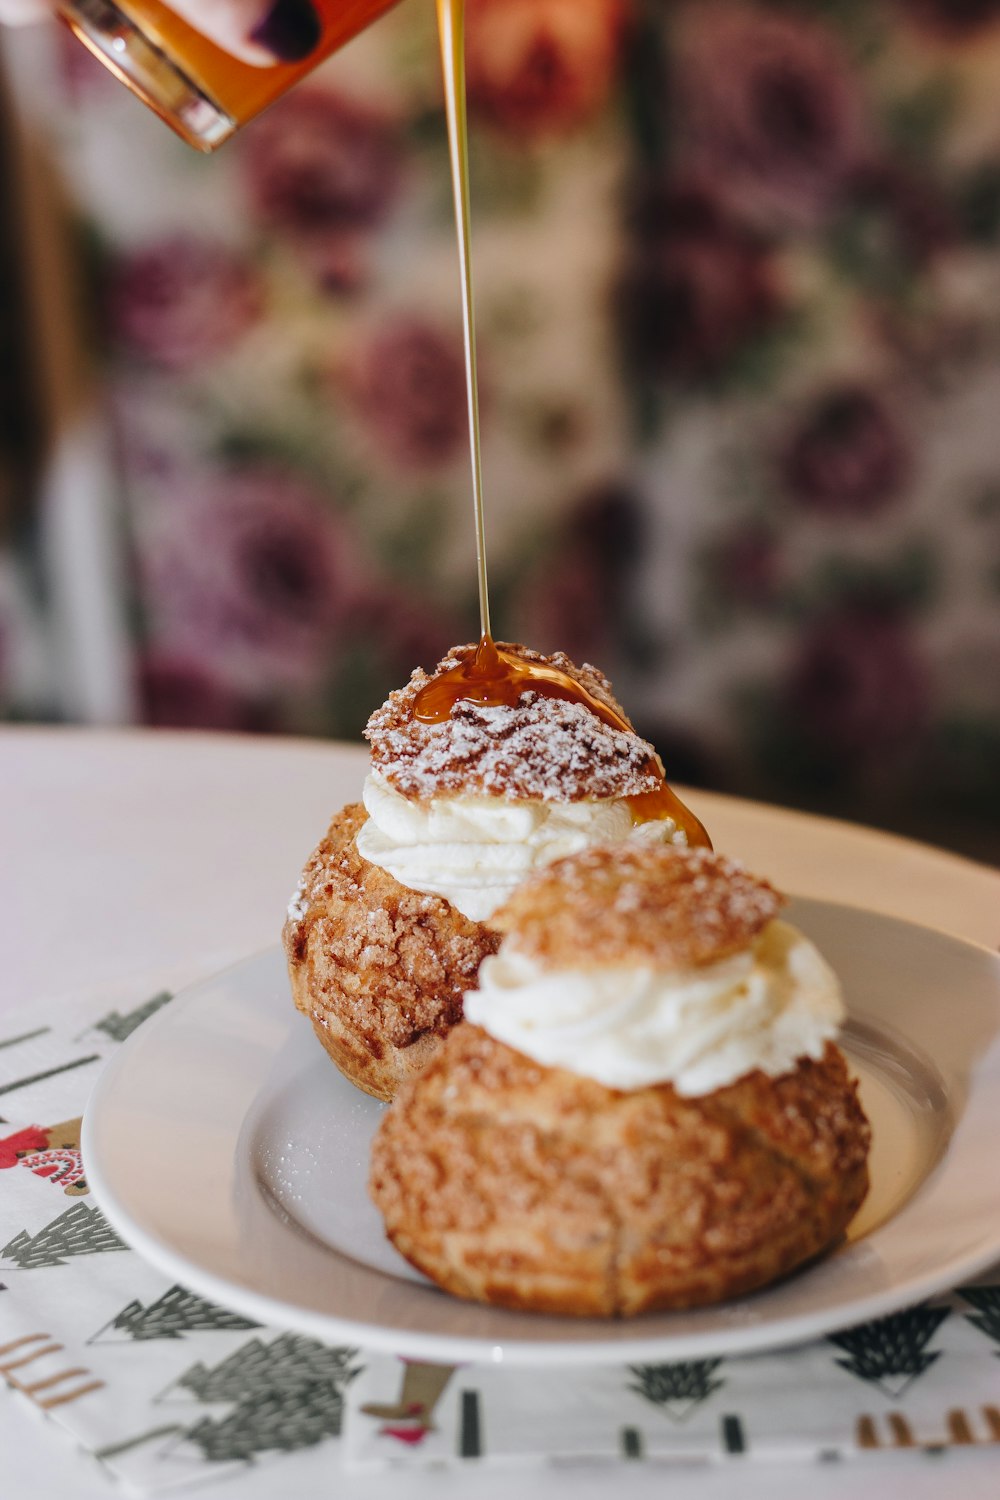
x=650 y=807
x=494 y=677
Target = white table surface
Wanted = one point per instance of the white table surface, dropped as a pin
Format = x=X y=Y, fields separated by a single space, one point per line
x=128 y=853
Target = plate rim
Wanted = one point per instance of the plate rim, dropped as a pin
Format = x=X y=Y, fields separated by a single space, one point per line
x=271 y=1310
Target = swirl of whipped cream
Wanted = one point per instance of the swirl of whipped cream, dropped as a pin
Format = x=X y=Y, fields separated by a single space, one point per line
x=697 y=1029
x=475 y=850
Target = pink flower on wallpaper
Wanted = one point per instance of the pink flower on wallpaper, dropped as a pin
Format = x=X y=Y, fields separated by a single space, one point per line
x=182 y=300
x=323 y=170
x=697 y=286
x=541 y=67
x=859 y=689
x=407 y=385
x=250 y=575
x=957 y=19
x=770 y=110
x=920 y=221
x=746 y=565
x=563 y=607
x=179 y=693
x=848 y=455
x=577 y=596
x=407 y=630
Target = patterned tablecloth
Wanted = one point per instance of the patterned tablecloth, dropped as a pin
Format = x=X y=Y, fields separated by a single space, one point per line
x=166 y=1389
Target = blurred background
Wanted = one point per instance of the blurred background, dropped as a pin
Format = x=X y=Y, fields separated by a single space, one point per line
x=738 y=284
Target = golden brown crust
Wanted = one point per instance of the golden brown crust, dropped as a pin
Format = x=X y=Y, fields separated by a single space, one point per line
x=542 y=749
x=379 y=969
x=529 y=1187
x=634 y=904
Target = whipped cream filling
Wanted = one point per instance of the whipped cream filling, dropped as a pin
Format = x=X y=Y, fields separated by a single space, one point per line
x=474 y=851
x=697 y=1029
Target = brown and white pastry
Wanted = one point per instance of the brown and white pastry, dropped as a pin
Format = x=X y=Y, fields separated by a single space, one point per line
x=645 y=1107
x=393 y=914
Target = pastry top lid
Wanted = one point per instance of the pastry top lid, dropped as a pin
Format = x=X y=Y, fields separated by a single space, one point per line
x=635 y=905
x=540 y=749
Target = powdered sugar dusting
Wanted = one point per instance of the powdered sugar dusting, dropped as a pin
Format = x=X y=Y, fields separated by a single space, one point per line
x=299 y=904
x=542 y=749
x=677 y=908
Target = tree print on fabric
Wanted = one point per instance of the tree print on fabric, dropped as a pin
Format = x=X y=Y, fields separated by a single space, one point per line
x=289 y=1363
x=288 y=1395
x=120 y=1027
x=891 y=1352
x=177 y=1312
x=281 y=1421
x=81 y=1230
x=677 y=1388
x=986 y=1301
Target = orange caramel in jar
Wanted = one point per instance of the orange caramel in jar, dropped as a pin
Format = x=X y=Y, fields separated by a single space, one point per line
x=494 y=677
x=236 y=88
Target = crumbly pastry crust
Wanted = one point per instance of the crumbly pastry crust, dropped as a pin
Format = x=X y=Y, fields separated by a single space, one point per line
x=542 y=749
x=670 y=907
x=529 y=1187
x=379 y=969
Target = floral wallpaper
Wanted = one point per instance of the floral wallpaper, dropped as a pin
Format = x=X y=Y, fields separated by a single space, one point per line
x=738 y=281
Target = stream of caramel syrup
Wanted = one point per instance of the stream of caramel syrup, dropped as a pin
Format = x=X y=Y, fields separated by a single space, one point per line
x=451 y=34
x=490 y=675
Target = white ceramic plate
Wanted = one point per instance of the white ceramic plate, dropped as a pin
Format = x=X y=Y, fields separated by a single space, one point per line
x=224 y=1146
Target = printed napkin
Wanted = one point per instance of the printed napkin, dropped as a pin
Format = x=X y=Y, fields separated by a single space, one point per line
x=166 y=1389
x=922 y=1378
x=162 y=1387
